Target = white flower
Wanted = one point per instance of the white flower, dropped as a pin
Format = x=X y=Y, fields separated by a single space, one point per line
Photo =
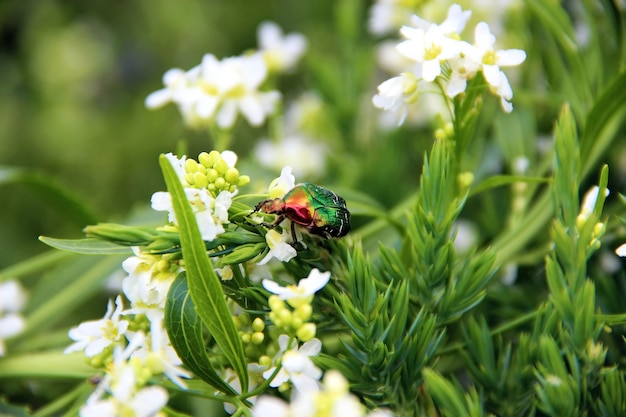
x=386 y=16
x=236 y=81
x=396 y=94
x=121 y=391
x=211 y=213
x=332 y=399
x=12 y=300
x=296 y=366
x=160 y=357
x=429 y=48
x=281 y=185
x=308 y=157
x=146 y=402
x=490 y=61
x=216 y=90
x=12 y=297
x=94 y=336
x=621 y=250
x=279 y=246
x=281 y=53
x=430 y=44
x=267 y=406
x=147 y=283
x=303 y=292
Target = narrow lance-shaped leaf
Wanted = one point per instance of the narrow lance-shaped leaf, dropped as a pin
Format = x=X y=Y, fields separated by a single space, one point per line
x=184 y=329
x=204 y=285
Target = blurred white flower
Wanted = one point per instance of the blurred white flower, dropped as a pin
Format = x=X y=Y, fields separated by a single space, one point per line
x=217 y=90
x=386 y=16
x=280 y=248
x=147 y=284
x=121 y=392
x=12 y=300
x=332 y=399
x=281 y=53
x=159 y=357
x=307 y=157
x=396 y=94
x=296 y=365
x=301 y=293
x=95 y=335
x=621 y=250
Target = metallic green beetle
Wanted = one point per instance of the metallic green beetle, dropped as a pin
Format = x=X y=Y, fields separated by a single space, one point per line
x=319 y=210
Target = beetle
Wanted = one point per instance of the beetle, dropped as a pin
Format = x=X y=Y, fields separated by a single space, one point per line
x=320 y=211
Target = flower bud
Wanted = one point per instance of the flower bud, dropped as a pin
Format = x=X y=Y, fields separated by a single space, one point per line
x=257 y=338
x=258 y=325
x=232 y=175
x=306 y=332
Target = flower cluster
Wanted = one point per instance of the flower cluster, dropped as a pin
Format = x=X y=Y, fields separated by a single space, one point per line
x=12 y=300
x=210 y=184
x=131 y=345
x=332 y=399
x=441 y=59
x=215 y=91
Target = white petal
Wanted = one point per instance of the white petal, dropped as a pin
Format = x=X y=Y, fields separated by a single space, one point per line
x=269 y=34
x=456 y=85
x=483 y=37
x=148 y=401
x=267 y=406
x=412 y=50
x=621 y=250
x=252 y=109
x=493 y=75
x=273 y=286
x=311 y=348
x=226 y=114
x=510 y=57
x=11 y=325
x=230 y=158
x=431 y=69
x=158 y=99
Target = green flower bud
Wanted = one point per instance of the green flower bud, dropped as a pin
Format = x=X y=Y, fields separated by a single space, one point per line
x=200 y=180
x=306 y=332
x=221 y=166
x=212 y=175
x=219 y=183
x=232 y=175
x=245 y=338
x=209 y=159
x=243 y=180
x=285 y=316
x=258 y=325
x=191 y=166
x=296 y=322
x=189 y=178
x=257 y=338
x=304 y=311
x=245 y=319
x=265 y=361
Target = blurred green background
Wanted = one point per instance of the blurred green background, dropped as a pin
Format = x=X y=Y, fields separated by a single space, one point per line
x=73 y=79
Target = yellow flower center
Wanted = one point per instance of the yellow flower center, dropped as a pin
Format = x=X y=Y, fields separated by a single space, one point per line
x=489 y=58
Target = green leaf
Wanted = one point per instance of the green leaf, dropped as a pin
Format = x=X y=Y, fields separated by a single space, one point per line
x=86 y=246
x=204 y=285
x=184 y=329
